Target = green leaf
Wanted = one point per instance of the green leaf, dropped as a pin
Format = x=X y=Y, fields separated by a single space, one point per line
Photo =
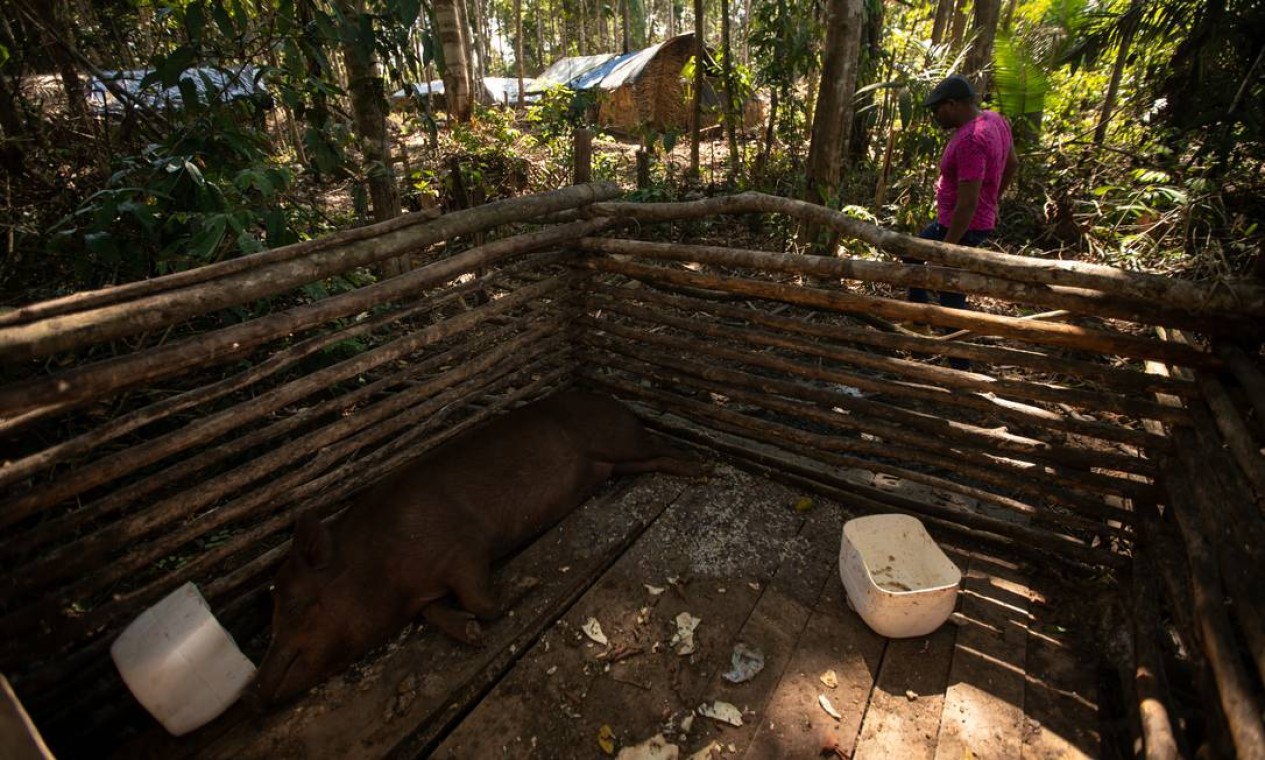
x=223 y=21
x=4 y=55
x=170 y=67
x=194 y=22
x=209 y=237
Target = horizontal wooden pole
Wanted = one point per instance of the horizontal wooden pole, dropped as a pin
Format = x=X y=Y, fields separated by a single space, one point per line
x=1044 y=333
x=21 y=544
x=1235 y=297
x=64 y=333
x=212 y=426
x=282 y=360
x=893 y=388
x=328 y=495
x=91 y=550
x=910 y=369
x=878 y=500
x=314 y=260
x=950 y=279
x=89 y=563
x=1007 y=474
x=1119 y=380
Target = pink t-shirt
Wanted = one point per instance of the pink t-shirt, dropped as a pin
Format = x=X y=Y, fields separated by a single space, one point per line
x=977 y=150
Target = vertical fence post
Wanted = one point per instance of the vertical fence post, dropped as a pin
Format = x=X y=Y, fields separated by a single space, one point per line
x=643 y=169
x=583 y=155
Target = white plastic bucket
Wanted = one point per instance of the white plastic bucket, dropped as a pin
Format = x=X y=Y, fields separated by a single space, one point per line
x=897 y=578
x=180 y=663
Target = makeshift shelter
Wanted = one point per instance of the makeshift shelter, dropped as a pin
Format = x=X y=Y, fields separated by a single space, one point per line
x=565 y=70
x=642 y=88
x=501 y=89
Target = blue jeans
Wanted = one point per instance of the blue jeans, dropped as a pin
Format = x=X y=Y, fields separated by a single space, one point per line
x=937 y=231
x=972 y=239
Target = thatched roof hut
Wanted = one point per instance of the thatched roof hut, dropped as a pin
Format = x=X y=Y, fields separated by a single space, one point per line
x=642 y=88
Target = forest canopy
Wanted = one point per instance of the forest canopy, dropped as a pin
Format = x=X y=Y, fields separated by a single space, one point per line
x=139 y=138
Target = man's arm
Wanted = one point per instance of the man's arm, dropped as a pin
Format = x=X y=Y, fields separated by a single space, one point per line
x=963 y=210
x=1008 y=172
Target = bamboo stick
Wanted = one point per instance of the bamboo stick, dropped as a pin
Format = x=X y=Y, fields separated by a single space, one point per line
x=930 y=453
x=1069 y=336
x=875 y=499
x=906 y=368
x=347 y=249
x=1080 y=300
x=1234 y=297
x=1120 y=380
x=873 y=384
x=216 y=425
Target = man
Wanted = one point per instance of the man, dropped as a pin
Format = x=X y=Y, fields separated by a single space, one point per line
x=977 y=166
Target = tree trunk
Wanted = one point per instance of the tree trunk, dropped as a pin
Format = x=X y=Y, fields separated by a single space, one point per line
x=727 y=52
x=832 y=120
x=944 y=13
x=456 y=71
x=369 y=109
x=518 y=50
x=979 y=60
x=959 y=23
x=871 y=54
x=59 y=33
x=1117 y=73
x=477 y=63
x=699 y=56
x=625 y=18
x=479 y=34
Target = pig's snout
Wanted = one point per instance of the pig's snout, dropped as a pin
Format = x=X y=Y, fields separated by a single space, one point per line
x=271 y=684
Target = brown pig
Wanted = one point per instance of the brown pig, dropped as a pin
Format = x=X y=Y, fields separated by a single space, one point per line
x=427 y=535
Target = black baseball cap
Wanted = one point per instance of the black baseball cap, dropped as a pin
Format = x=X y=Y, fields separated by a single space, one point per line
x=954 y=87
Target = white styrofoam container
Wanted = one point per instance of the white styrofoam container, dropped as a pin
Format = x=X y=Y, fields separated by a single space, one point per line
x=180 y=663
x=897 y=578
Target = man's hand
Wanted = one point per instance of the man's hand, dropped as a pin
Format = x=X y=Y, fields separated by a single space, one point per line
x=963 y=210
x=1008 y=171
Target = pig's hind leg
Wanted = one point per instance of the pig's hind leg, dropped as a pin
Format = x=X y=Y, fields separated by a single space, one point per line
x=672 y=464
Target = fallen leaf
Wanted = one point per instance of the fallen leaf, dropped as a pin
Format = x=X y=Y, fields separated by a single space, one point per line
x=683 y=639
x=654 y=748
x=830 y=679
x=829 y=708
x=654 y=590
x=803 y=504
x=593 y=630
x=721 y=711
x=606 y=739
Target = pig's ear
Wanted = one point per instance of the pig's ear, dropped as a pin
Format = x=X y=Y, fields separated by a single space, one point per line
x=313 y=543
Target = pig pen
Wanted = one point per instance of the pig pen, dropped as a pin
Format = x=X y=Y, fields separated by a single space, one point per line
x=1096 y=474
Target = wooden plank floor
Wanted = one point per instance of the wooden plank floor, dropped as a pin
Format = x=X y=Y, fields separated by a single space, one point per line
x=1001 y=681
